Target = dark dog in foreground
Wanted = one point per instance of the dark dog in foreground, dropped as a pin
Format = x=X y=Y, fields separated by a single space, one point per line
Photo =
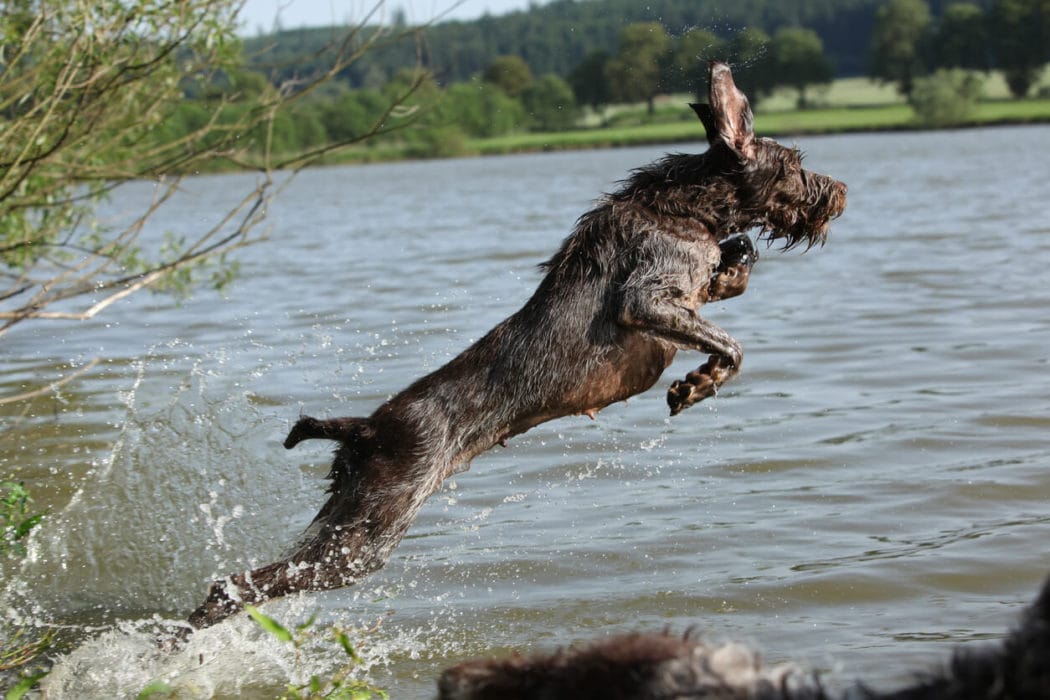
x=618 y=300
x=662 y=667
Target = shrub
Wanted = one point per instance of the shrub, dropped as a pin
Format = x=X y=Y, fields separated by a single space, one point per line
x=480 y=109
x=946 y=98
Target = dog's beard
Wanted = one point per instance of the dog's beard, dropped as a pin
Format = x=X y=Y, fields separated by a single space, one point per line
x=799 y=233
x=807 y=225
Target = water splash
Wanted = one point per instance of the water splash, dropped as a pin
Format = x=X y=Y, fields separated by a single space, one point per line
x=235 y=659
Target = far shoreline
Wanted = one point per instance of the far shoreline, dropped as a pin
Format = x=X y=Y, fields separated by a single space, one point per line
x=867 y=119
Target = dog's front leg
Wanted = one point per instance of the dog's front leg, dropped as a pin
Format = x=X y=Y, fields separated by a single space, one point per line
x=669 y=281
x=663 y=310
x=729 y=280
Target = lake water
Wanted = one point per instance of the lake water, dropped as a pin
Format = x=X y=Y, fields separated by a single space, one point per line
x=873 y=489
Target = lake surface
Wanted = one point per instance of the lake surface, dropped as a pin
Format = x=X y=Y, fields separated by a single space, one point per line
x=873 y=489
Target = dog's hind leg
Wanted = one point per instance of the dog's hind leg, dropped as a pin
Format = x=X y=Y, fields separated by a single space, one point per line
x=377 y=488
x=352 y=536
x=327 y=569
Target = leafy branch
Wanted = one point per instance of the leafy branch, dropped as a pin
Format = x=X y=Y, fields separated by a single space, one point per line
x=90 y=94
x=86 y=91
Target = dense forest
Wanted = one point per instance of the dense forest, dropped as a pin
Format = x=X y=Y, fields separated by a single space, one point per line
x=556 y=37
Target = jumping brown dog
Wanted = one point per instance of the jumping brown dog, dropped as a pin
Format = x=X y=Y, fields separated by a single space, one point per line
x=618 y=300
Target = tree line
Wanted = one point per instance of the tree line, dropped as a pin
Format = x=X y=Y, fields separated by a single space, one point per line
x=555 y=37
x=505 y=96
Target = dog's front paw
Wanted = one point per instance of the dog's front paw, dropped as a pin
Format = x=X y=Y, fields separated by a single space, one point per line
x=694 y=388
x=734 y=271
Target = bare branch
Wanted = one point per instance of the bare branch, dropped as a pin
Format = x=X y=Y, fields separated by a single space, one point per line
x=16 y=398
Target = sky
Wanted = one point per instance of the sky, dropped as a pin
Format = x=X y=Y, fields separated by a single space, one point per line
x=258 y=15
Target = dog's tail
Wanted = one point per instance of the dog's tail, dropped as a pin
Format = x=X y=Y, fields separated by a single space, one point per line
x=356 y=438
x=349 y=431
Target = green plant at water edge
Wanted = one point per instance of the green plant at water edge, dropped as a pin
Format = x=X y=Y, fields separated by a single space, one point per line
x=15 y=521
x=19 y=646
x=23 y=686
x=339 y=686
x=946 y=98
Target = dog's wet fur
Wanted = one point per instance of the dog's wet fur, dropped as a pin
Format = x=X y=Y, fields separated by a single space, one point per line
x=663 y=667
x=616 y=303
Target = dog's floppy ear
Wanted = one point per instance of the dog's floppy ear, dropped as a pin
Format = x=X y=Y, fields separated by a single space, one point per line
x=730 y=111
x=704 y=112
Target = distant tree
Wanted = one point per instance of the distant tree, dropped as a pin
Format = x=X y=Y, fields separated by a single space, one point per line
x=1021 y=30
x=634 y=73
x=799 y=60
x=901 y=26
x=752 y=60
x=588 y=80
x=550 y=103
x=509 y=73
x=961 y=39
x=687 y=67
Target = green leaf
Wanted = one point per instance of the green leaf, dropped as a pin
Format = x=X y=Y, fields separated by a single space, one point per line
x=154 y=688
x=344 y=642
x=307 y=625
x=24 y=686
x=26 y=525
x=269 y=624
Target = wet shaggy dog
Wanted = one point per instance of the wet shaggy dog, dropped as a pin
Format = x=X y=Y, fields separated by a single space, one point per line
x=662 y=667
x=618 y=300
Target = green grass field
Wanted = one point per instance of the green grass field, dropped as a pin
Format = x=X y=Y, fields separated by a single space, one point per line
x=781 y=123
x=847 y=104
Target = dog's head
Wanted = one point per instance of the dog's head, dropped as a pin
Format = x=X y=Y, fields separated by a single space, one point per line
x=789 y=203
